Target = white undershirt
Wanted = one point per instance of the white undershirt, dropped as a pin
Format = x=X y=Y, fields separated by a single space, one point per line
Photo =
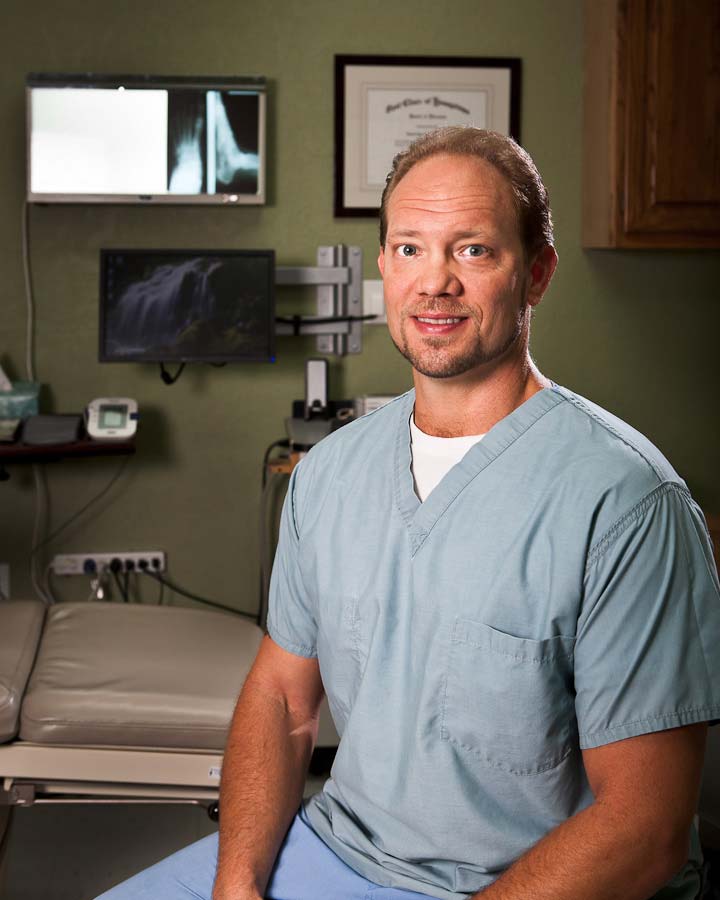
x=433 y=457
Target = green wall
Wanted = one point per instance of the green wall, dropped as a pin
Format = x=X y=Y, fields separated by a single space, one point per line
x=634 y=331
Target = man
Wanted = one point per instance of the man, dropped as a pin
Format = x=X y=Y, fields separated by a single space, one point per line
x=507 y=594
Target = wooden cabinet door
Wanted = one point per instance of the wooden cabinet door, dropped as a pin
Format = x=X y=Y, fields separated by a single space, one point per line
x=672 y=116
x=652 y=123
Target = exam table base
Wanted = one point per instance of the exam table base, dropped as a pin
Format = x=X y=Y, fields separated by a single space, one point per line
x=35 y=772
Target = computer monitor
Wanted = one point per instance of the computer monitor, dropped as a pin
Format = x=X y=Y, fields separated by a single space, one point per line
x=187 y=305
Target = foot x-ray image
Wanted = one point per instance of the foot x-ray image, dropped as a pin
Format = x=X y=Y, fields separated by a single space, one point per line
x=213 y=142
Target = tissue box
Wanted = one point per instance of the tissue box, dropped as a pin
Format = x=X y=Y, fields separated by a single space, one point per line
x=21 y=401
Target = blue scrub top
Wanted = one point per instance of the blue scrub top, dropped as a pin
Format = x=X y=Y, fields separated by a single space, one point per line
x=555 y=592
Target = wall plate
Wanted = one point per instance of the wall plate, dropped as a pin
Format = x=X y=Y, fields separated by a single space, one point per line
x=91 y=563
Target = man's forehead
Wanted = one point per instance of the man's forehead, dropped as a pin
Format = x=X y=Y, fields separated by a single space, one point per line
x=446 y=184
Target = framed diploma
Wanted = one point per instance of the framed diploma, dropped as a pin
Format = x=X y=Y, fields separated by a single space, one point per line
x=382 y=103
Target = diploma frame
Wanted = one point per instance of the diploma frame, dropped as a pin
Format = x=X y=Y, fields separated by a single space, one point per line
x=383 y=102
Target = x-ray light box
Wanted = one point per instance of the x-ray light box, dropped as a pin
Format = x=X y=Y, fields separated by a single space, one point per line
x=145 y=139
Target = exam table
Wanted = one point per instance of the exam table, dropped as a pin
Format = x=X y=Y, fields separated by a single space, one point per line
x=117 y=702
x=125 y=702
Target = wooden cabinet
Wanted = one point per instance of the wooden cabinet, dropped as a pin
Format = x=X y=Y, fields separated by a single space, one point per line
x=651 y=130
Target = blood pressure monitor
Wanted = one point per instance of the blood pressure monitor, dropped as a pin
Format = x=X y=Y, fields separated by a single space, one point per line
x=111 y=418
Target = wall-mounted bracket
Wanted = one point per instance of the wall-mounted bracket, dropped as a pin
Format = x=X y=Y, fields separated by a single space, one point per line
x=338 y=280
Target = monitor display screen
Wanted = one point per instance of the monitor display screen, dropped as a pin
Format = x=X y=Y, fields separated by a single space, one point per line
x=113 y=416
x=131 y=139
x=187 y=305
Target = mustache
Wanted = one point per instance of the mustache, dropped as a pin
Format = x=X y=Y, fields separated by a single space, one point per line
x=438 y=310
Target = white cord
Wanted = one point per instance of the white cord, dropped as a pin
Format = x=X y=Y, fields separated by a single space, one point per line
x=30 y=331
x=98 y=583
x=40 y=516
x=47 y=583
x=38 y=473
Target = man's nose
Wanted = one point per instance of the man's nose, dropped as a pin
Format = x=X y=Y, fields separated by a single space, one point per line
x=437 y=277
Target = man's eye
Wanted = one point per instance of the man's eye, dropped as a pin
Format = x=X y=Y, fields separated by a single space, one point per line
x=407 y=250
x=475 y=250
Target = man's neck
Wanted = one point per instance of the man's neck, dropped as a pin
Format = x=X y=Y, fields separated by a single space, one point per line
x=452 y=407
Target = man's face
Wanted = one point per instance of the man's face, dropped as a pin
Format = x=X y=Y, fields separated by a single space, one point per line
x=456 y=282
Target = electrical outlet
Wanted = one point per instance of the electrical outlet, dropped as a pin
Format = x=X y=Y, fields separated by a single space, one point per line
x=90 y=563
x=4 y=581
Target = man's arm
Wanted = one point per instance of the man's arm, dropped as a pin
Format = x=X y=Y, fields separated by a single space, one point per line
x=271 y=738
x=632 y=839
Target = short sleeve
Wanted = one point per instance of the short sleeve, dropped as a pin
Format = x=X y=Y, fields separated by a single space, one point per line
x=646 y=648
x=291 y=621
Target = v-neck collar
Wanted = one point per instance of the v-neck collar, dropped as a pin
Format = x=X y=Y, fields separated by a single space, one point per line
x=420 y=518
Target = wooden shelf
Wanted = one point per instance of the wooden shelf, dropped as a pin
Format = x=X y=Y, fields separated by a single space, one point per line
x=19 y=453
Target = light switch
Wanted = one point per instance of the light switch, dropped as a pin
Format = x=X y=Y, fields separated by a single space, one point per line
x=373 y=301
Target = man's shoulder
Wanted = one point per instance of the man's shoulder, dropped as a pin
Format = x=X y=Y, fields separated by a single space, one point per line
x=608 y=472
x=593 y=429
x=611 y=458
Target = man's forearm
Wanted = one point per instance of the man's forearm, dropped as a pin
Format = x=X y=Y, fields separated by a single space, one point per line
x=599 y=854
x=263 y=775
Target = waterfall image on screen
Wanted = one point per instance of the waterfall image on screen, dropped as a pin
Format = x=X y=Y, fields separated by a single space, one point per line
x=213 y=142
x=204 y=307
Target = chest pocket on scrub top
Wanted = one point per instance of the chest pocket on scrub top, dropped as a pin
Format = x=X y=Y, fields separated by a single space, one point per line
x=508 y=700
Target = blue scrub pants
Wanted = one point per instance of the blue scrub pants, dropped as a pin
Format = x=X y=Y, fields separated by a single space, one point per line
x=305 y=869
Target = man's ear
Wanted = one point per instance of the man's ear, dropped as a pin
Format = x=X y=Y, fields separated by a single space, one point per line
x=381 y=261
x=541 y=271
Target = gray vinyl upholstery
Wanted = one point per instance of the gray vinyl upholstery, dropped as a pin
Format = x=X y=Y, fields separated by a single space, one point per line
x=20 y=629
x=134 y=675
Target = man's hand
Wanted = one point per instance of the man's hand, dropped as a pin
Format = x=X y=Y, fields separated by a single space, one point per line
x=633 y=839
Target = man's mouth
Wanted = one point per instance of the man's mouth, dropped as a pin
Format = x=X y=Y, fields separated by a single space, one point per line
x=438 y=324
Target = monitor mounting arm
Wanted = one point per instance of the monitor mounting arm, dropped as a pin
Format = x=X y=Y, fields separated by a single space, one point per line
x=338 y=280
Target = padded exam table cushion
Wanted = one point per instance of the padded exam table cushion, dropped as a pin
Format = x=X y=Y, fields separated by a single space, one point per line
x=133 y=675
x=20 y=629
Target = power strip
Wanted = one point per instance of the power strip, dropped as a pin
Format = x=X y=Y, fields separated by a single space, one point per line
x=91 y=563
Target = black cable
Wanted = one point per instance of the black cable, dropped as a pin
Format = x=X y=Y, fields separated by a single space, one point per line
x=167 y=377
x=322 y=320
x=123 y=590
x=68 y=522
x=298 y=321
x=138 y=595
x=165 y=582
x=281 y=443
